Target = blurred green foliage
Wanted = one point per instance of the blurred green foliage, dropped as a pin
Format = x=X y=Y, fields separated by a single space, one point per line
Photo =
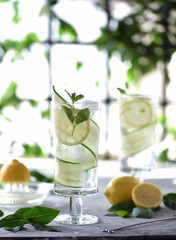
x=143 y=38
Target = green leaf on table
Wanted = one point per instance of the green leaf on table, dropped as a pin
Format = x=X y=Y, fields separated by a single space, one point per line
x=142 y=212
x=122 y=213
x=122 y=209
x=41 y=215
x=13 y=221
x=170 y=200
x=22 y=211
x=36 y=216
x=41 y=227
x=1 y=213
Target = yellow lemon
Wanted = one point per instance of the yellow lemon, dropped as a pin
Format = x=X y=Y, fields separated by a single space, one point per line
x=147 y=195
x=14 y=172
x=119 y=189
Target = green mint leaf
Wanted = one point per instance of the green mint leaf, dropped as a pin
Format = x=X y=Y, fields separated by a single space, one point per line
x=82 y=115
x=122 y=91
x=1 y=213
x=122 y=213
x=78 y=97
x=169 y=200
x=74 y=97
x=125 y=206
x=142 y=212
x=41 y=227
x=22 y=211
x=41 y=215
x=13 y=222
x=69 y=114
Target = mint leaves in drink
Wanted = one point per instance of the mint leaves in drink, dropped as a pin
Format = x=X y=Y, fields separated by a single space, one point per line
x=37 y=216
x=76 y=117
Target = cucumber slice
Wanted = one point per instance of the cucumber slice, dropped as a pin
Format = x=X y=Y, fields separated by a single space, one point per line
x=138 y=140
x=92 y=140
x=70 y=174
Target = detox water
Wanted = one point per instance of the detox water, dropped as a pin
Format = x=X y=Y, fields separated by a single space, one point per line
x=137 y=124
x=76 y=165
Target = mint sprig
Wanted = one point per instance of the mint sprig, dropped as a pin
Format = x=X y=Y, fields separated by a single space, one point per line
x=37 y=216
x=74 y=115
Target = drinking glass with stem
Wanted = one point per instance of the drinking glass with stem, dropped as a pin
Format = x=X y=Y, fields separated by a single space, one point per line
x=76 y=138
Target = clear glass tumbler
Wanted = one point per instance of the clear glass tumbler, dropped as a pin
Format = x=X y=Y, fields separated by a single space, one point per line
x=76 y=156
x=137 y=125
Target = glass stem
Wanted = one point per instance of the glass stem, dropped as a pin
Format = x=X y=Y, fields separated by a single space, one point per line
x=76 y=206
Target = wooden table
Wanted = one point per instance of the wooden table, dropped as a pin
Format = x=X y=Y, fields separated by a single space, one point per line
x=98 y=205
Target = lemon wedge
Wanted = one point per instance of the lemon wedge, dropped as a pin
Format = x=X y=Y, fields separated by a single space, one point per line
x=64 y=129
x=147 y=195
x=137 y=113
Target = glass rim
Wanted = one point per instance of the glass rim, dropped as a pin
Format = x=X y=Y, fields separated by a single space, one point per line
x=141 y=95
x=91 y=104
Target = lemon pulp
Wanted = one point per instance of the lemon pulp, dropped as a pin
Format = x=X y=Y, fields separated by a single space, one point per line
x=147 y=195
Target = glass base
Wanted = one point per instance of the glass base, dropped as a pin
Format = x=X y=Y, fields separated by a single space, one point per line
x=84 y=219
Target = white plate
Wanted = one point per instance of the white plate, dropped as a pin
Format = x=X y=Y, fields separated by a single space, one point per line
x=35 y=196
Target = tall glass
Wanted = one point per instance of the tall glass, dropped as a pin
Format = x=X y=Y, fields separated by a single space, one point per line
x=137 y=124
x=76 y=158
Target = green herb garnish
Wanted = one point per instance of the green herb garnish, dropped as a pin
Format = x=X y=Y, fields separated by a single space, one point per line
x=37 y=216
x=76 y=116
x=128 y=209
x=170 y=200
x=142 y=212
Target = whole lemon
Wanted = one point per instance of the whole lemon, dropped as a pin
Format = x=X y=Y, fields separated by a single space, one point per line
x=120 y=189
x=14 y=172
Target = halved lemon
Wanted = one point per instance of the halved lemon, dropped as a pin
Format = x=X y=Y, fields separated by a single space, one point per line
x=147 y=195
x=137 y=113
x=14 y=172
x=66 y=132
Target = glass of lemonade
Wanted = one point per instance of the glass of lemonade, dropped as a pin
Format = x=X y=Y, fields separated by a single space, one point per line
x=137 y=125
x=76 y=138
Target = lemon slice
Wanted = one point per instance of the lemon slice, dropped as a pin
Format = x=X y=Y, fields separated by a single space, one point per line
x=137 y=113
x=64 y=129
x=147 y=195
